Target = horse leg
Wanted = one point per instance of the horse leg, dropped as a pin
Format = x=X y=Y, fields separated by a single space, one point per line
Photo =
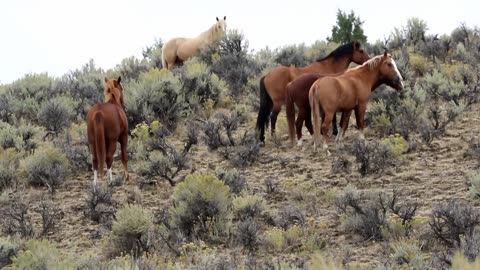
x=273 y=116
x=359 y=117
x=308 y=121
x=334 y=124
x=299 y=123
x=343 y=128
x=325 y=125
x=94 y=165
x=111 y=147
x=123 y=145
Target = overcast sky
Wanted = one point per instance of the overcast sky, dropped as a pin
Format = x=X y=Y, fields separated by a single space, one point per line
x=56 y=36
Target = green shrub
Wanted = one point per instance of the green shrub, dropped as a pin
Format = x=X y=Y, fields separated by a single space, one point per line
x=201 y=207
x=233 y=179
x=23 y=97
x=200 y=85
x=130 y=68
x=129 y=233
x=8 y=249
x=8 y=168
x=20 y=137
x=229 y=59
x=47 y=166
x=460 y=262
x=86 y=86
x=56 y=114
x=41 y=255
x=407 y=254
x=474 y=185
x=397 y=144
x=248 y=206
x=14 y=217
x=293 y=55
x=157 y=95
x=319 y=262
x=372 y=156
x=368 y=213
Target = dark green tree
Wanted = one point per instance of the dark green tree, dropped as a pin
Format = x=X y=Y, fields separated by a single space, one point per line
x=347 y=29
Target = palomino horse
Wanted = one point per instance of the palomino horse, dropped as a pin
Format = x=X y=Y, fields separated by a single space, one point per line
x=349 y=91
x=106 y=125
x=297 y=94
x=180 y=49
x=272 y=85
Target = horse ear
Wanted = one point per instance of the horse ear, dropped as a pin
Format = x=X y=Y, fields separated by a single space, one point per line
x=217 y=19
x=385 y=54
x=356 y=45
x=224 y=18
x=119 y=79
x=106 y=80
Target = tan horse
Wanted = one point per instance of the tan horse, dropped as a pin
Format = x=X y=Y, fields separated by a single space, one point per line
x=180 y=49
x=349 y=91
x=273 y=85
x=106 y=125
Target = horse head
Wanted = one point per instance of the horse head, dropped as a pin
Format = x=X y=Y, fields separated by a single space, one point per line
x=359 y=55
x=113 y=89
x=221 y=25
x=389 y=72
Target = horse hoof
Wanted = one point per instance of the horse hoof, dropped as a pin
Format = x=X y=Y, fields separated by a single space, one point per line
x=299 y=143
x=262 y=144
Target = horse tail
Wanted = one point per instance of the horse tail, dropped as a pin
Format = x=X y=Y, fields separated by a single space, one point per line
x=266 y=105
x=315 y=116
x=290 y=106
x=100 y=148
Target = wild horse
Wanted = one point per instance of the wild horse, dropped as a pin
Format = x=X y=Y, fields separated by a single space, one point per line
x=273 y=85
x=106 y=125
x=349 y=91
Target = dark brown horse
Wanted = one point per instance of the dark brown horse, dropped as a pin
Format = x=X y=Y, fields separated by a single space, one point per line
x=273 y=85
x=297 y=95
x=106 y=125
x=349 y=91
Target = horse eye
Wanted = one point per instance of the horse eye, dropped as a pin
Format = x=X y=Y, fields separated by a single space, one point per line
x=389 y=64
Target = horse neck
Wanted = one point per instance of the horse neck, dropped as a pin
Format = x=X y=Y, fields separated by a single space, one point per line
x=210 y=35
x=330 y=65
x=372 y=76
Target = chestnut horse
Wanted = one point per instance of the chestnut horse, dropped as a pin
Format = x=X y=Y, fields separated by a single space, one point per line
x=180 y=49
x=349 y=91
x=273 y=85
x=106 y=125
x=297 y=95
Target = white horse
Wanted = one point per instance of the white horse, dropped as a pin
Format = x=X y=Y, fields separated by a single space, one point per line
x=180 y=49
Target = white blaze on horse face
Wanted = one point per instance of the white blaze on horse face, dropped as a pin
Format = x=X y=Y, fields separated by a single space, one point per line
x=397 y=71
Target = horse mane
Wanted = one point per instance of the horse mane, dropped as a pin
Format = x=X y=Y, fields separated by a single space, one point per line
x=113 y=93
x=342 y=50
x=372 y=63
x=211 y=33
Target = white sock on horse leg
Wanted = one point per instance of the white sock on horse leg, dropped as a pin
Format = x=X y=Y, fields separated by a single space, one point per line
x=95 y=178
x=110 y=176
x=339 y=135
x=361 y=135
x=299 y=142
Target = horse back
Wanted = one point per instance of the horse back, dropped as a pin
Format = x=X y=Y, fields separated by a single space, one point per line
x=114 y=120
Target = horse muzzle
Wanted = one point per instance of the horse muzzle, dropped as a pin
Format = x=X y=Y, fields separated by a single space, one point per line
x=398 y=84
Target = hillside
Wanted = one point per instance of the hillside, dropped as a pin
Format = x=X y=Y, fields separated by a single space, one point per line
x=236 y=204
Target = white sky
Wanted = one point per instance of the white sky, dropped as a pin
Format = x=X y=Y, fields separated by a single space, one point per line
x=56 y=36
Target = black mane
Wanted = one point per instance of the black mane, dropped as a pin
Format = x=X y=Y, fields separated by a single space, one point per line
x=342 y=50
